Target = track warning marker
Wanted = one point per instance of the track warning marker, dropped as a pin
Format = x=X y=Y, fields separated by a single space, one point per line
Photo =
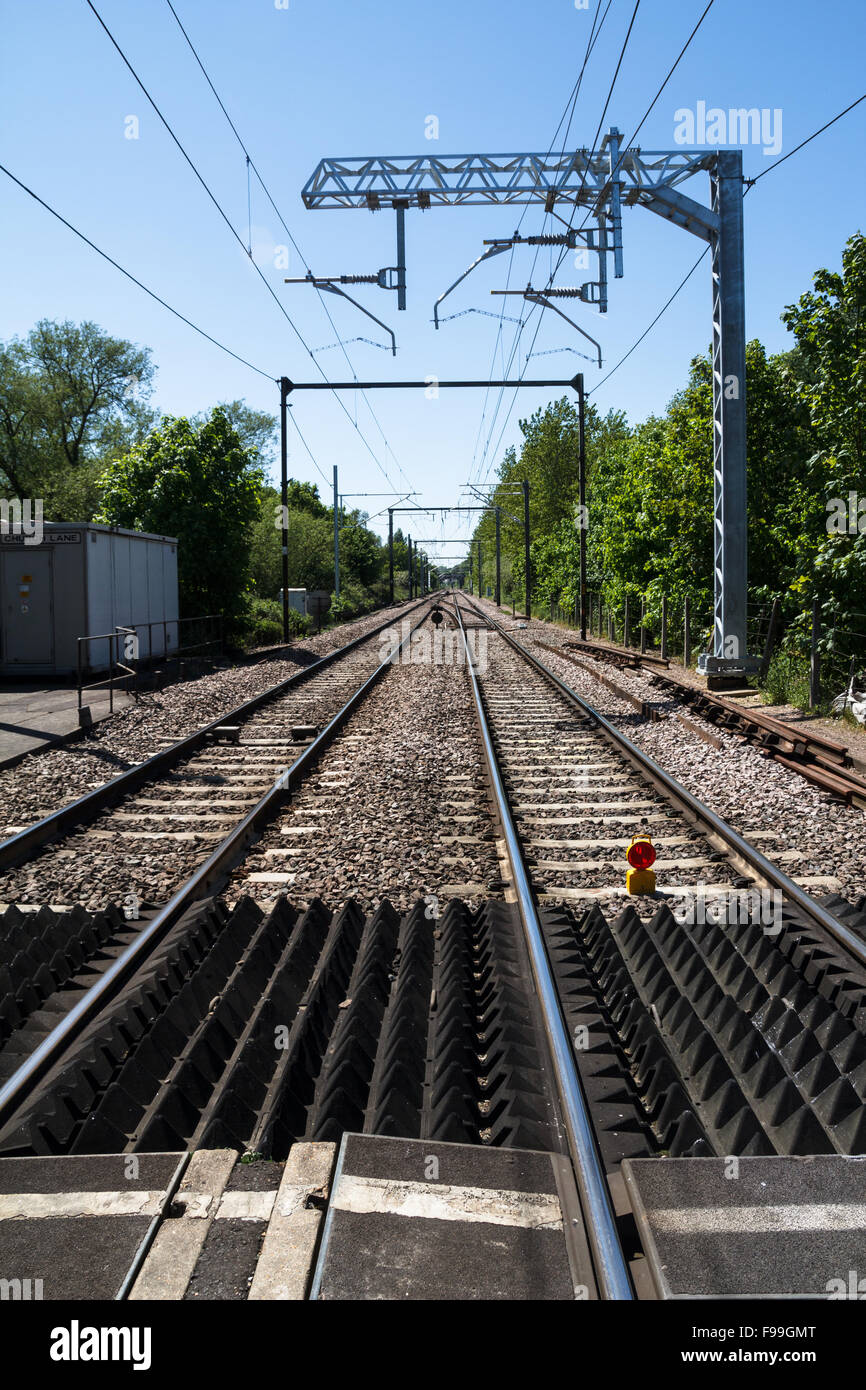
x=641 y=855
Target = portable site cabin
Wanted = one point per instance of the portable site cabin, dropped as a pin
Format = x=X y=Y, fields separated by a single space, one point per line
x=297 y=600
x=66 y=581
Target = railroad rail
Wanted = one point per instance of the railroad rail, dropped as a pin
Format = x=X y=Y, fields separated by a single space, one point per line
x=556 y=1017
x=115 y=954
x=694 y=1012
x=822 y=761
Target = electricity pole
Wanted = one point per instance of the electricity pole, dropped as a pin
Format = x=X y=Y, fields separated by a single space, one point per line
x=581 y=456
x=336 y=537
x=526 y=561
x=284 y=501
x=391 y=552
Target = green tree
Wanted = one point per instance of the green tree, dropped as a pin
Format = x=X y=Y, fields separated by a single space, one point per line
x=361 y=554
x=71 y=396
x=256 y=429
x=198 y=483
x=829 y=566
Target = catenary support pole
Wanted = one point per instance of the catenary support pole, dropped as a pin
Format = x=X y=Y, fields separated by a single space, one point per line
x=814 y=657
x=391 y=553
x=687 y=632
x=526 y=559
x=581 y=460
x=498 y=558
x=284 y=501
x=729 y=412
x=336 y=535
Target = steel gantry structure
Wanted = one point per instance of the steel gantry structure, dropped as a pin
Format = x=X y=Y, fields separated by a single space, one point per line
x=603 y=182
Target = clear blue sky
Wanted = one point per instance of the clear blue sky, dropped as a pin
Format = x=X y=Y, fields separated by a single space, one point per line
x=332 y=77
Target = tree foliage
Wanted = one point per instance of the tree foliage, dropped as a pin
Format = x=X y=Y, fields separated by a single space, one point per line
x=650 y=488
x=196 y=482
x=71 y=396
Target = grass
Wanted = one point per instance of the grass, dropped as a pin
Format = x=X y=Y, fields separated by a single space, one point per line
x=787 y=681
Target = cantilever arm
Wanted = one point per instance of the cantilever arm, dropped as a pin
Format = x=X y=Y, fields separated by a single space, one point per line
x=335 y=289
x=493 y=250
x=546 y=304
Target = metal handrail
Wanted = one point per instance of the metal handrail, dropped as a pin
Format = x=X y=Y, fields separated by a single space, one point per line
x=114 y=662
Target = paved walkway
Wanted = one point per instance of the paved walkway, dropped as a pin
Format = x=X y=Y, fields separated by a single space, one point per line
x=32 y=715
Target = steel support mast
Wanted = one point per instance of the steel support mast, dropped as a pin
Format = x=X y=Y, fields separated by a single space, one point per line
x=603 y=182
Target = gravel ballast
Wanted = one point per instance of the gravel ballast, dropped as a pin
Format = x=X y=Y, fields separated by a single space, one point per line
x=752 y=793
x=53 y=777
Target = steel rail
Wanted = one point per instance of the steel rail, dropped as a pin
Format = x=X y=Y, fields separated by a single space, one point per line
x=693 y=809
x=206 y=880
x=18 y=848
x=611 y=1268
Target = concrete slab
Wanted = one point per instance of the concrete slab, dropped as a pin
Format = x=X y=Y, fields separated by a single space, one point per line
x=752 y=1227
x=34 y=716
x=413 y=1219
x=76 y=1224
x=229 y=1257
x=285 y=1265
x=174 y=1254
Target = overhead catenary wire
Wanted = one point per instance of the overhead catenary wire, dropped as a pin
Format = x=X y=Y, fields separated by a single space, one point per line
x=594 y=35
x=225 y=218
x=749 y=184
x=636 y=344
x=561 y=257
x=250 y=163
x=326 y=480
x=628 y=143
x=129 y=275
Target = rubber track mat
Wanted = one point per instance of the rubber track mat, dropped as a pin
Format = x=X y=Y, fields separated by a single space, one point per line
x=252 y=1031
x=736 y=1040
x=40 y=952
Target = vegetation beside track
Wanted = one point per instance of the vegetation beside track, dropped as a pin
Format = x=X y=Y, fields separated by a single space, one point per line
x=650 y=494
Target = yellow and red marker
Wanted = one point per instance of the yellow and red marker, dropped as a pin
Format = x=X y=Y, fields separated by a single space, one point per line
x=641 y=855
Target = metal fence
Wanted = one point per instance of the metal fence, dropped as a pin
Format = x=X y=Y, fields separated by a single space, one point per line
x=835 y=655
x=120 y=657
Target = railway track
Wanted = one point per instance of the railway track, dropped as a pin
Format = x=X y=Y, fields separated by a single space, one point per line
x=822 y=761
x=555 y=1016
x=59 y=972
x=682 y=1034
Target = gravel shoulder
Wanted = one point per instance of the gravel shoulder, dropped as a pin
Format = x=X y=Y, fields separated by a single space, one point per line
x=751 y=792
x=50 y=778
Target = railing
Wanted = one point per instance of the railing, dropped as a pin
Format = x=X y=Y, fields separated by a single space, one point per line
x=673 y=631
x=835 y=655
x=136 y=645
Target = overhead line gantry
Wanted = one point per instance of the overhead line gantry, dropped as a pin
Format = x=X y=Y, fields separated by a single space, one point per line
x=604 y=181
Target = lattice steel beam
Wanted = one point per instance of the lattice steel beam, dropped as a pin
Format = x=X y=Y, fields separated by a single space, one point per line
x=581 y=177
